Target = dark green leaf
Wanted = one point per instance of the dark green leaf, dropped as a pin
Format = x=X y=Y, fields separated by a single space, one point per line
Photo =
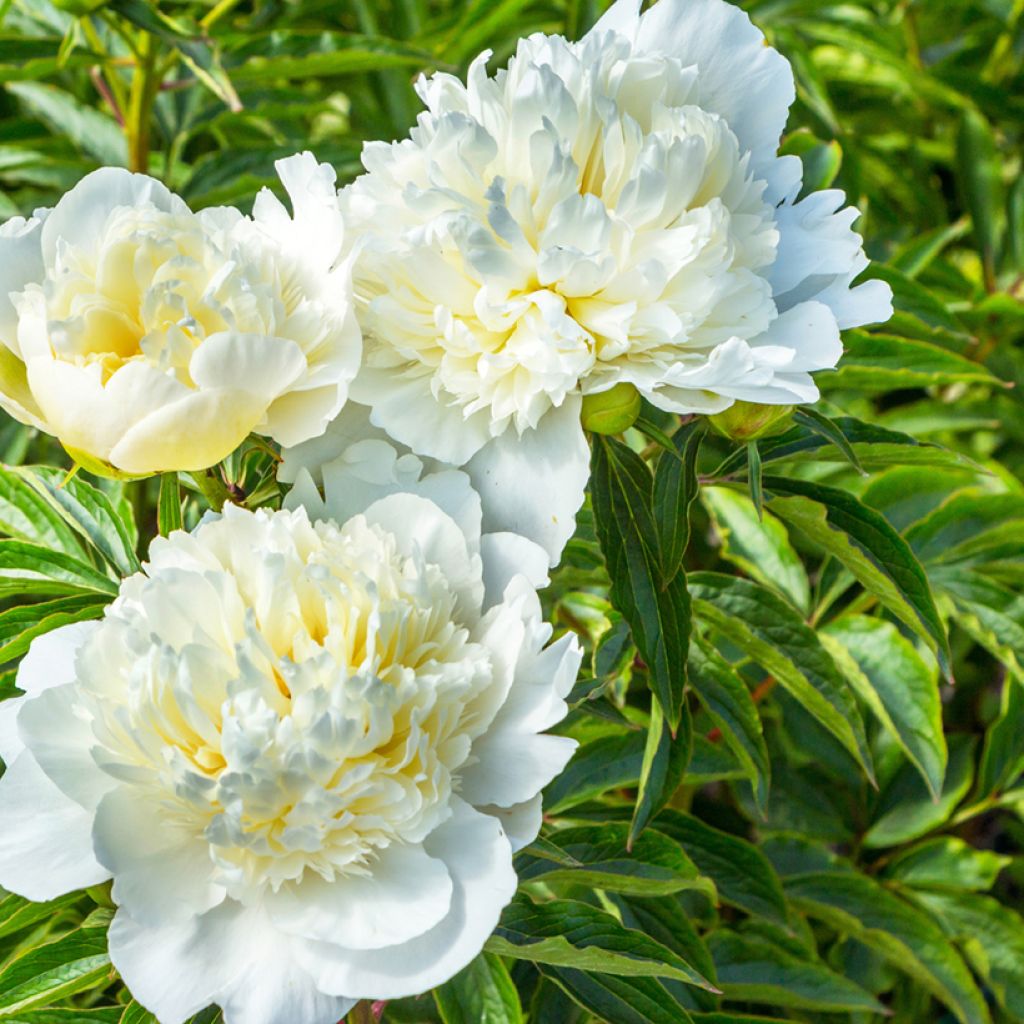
x=675 y=487
x=666 y=758
x=482 y=993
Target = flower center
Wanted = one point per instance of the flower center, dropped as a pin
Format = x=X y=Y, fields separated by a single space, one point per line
x=305 y=704
x=569 y=223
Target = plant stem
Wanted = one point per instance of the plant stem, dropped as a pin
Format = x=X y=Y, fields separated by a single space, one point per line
x=145 y=84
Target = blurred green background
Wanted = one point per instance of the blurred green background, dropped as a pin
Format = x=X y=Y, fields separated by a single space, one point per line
x=915 y=109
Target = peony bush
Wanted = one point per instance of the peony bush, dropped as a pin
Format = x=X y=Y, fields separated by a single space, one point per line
x=510 y=514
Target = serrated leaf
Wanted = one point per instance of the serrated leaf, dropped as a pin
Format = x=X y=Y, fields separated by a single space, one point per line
x=482 y=993
x=773 y=634
x=654 y=866
x=899 y=686
x=854 y=904
x=863 y=541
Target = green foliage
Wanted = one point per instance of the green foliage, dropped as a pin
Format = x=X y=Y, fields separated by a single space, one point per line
x=781 y=807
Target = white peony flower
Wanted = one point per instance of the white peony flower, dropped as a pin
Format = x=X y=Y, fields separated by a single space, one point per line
x=304 y=752
x=148 y=338
x=602 y=212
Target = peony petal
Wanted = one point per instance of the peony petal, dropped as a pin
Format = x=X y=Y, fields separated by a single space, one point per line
x=479 y=859
x=350 y=426
x=739 y=77
x=21 y=262
x=61 y=741
x=161 y=872
x=521 y=822
x=404 y=894
x=419 y=525
x=46 y=842
x=506 y=556
x=512 y=767
x=79 y=217
x=264 y=366
x=404 y=406
x=193 y=433
x=533 y=484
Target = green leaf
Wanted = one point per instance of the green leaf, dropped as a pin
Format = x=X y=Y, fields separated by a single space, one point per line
x=854 y=904
x=899 y=686
x=25 y=514
x=863 y=541
x=296 y=55
x=654 y=866
x=952 y=531
x=818 y=423
x=881 y=362
x=658 y=610
x=741 y=873
x=90 y=512
x=979 y=170
x=618 y=1000
x=992 y=938
x=754 y=478
x=565 y=933
x=760 y=547
x=30 y=568
x=675 y=487
x=751 y=969
x=73 y=963
x=946 y=862
x=1002 y=756
x=773 y=634
x=666 y=758
x=907 y=810
x=609 y=762
x=168 y=509
x=875 y=447
x=991 y=614
x=482 y=993
x=16 y=912
x=92 y=131
x=727 y=700
x=20 y=625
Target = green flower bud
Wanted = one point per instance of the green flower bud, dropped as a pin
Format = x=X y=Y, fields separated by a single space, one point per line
x=747 y=421
x=611 y=411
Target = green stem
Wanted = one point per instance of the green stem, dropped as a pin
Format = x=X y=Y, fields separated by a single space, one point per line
x=145 y=84
x=361 y=1013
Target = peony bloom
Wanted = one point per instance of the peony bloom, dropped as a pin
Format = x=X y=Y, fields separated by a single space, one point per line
x=602 y=212
x=148 y=338
x=304 y=752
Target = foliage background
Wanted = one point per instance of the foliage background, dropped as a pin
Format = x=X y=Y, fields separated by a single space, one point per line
x=779 y=881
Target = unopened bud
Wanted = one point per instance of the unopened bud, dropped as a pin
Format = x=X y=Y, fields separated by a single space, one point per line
x=747 y=421
x=611 y=411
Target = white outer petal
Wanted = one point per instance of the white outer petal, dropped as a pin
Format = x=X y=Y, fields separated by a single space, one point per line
x=46 y=839
x=479 y=858
x=534 y=484
x=50 y=661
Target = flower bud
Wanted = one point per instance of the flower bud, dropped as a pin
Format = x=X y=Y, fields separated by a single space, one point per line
x=611 y=411
x=747 y=421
